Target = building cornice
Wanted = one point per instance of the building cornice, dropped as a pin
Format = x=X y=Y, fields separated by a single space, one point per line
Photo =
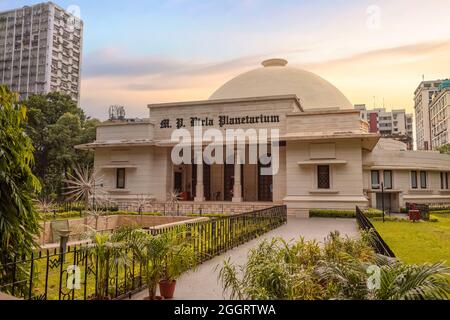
x=291 y=97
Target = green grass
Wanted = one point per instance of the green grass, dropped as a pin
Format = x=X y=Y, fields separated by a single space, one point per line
x=420 y=242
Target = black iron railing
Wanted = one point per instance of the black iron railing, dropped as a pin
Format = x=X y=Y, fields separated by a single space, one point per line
x=378 y=243
x=51 y=274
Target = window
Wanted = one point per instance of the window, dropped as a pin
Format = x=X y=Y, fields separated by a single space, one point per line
x=444 y=180
x=375 y=180
x=388 y=179
x=120 y=179
x=414 y=179
x=423 y=179
x=323 y=177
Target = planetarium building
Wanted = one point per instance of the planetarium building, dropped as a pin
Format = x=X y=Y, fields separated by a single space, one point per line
x=325 y=155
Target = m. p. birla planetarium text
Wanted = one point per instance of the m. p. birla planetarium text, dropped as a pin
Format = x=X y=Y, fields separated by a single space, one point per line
x=221 y=121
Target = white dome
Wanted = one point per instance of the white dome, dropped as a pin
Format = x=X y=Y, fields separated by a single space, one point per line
x=277 y=79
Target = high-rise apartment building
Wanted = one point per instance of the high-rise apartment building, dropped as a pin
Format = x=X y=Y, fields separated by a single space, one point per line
x=395 y=124
x=440 y=115
x=40 y=50
x=423 y=97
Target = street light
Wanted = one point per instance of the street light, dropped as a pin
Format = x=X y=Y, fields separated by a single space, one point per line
x=382 y=198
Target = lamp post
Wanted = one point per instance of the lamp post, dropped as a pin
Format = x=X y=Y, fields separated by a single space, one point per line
x=382 y=198
x=63 y=240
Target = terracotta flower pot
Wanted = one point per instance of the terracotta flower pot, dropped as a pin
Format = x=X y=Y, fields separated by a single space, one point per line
x=167 y=288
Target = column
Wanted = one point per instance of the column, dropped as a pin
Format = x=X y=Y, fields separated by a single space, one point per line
x=200 y=189
x=237 y=188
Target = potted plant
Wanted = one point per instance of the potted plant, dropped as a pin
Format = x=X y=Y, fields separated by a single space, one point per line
x=107 y=252
x=150 y=251
x=179 y=258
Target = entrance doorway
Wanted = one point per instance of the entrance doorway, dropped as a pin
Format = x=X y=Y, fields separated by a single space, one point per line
x=228 y=183
x=265 y=185
x=178 y=182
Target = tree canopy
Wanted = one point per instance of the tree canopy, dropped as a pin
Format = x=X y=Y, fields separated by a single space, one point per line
x=444 y=149
x=56 y=124
x=18 y=219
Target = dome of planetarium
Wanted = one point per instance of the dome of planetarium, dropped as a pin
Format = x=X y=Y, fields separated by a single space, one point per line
x=275 y=78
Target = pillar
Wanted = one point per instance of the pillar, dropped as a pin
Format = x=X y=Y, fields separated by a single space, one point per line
x=237 y=188
x=200 y=189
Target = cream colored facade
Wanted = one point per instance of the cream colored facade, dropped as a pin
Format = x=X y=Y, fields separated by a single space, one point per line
x=327 y=157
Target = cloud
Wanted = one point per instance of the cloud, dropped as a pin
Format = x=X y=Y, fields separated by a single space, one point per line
x=407 y=51
x=116 y=77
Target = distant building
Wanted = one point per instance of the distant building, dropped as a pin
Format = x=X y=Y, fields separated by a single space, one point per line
x=395 y=124
x=439 y=115
x=40 y=50
x=422 y=100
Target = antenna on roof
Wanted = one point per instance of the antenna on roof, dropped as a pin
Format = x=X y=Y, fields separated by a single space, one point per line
x=116 y=113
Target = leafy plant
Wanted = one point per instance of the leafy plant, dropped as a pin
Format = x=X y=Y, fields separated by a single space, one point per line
x=338 y=269
x=150 y=251
x=180 y=257
x=18 y=217
x=108 y=252
x=174 y=199
x=84 y=185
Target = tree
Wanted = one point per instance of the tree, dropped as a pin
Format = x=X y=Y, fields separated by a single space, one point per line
x=18 y=218
x=56 y=125
x=444 y=149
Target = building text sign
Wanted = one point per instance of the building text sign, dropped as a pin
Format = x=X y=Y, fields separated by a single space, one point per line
x=222 y=121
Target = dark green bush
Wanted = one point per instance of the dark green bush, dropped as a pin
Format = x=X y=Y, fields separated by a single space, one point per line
x=332 y=213
x=76 y=214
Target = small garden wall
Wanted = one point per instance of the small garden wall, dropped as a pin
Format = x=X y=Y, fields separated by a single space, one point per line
x=79 y=227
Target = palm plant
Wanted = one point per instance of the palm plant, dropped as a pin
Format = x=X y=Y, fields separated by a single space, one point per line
x=44 y=205
x=107 y=252
x=18 y=218
x=83 y=185
x=142 y=201
x=174 y=198
x=179 y=257
x=96 y=213
x=337 y=270
x=150 y=252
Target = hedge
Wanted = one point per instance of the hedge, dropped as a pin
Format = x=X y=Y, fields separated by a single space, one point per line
x=440 y=212
x=76 y=214
x=331 y=213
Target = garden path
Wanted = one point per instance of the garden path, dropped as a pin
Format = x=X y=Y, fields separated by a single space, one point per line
x=203 y=284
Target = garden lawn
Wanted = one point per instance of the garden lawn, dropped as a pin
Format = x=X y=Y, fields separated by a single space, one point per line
x=419 y=242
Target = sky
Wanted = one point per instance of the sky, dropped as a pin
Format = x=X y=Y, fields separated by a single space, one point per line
x=138 y=52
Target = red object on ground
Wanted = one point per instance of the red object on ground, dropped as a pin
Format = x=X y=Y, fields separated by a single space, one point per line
x=414 y=215
x=184 y=196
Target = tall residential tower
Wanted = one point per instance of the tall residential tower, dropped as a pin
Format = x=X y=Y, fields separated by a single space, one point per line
x=423 y=96
x=40 y=50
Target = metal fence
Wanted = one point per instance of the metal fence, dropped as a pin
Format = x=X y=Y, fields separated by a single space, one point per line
x=378 y=243
x=49 y=274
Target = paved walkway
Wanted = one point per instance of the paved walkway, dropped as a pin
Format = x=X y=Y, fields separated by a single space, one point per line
x=203 y=284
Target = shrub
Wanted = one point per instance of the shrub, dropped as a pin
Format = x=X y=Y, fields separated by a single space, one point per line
x=331 y=213
x=338 y=269
x=208 y=215
x=62 y=215
x=440 y=212
x=76 y=214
